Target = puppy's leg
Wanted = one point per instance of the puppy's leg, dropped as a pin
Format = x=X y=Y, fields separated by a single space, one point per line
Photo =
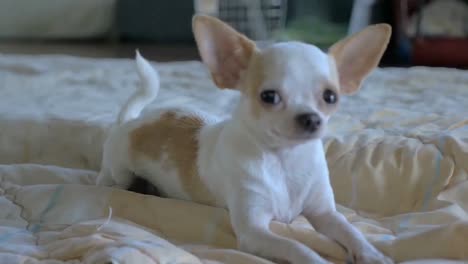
x=251 y=225
x=335 y=226
x=122 y=177
x=104 y=178
x=114 y=174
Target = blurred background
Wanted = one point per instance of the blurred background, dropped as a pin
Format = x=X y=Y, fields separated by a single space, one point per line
x=426 y=32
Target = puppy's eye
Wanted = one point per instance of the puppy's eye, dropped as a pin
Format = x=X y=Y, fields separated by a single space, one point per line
x=330 y=97
x=270 y=97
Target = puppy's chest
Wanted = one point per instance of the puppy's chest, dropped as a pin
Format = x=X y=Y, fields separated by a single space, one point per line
x=289 y=180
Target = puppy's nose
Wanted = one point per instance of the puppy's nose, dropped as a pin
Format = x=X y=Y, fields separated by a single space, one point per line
x=309 y=121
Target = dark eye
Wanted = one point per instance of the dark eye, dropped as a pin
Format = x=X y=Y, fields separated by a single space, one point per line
x=270 y=97
x=329 y=96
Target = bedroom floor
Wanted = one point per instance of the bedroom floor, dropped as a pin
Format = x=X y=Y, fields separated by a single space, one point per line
x=158 y=52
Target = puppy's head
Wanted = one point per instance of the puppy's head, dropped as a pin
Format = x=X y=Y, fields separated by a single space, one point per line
x=289 y=89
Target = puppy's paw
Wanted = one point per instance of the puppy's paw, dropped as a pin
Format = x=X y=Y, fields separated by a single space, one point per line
x=372 y=257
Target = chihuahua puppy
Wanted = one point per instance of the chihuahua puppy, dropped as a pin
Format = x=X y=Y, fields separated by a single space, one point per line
x=266 y=162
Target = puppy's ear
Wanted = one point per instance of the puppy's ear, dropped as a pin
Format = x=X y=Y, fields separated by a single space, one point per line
x=226 y=52
x=357 y=55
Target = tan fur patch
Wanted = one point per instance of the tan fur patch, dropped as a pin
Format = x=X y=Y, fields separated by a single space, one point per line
x=175 y=136
x=224 y=51
x=357 y=55
x=253 y=83
x=333 y=84
x=325 y=108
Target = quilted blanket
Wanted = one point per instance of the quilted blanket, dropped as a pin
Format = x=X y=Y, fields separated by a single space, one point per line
x=397 y=152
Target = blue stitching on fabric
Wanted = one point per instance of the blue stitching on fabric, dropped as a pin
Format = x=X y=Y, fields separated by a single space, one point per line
x=430 y=189
x=51 y=204
x=437 y=177
x=6 y=236
x=36 y=227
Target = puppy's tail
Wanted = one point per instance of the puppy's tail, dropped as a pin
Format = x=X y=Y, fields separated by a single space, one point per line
x=146 y=93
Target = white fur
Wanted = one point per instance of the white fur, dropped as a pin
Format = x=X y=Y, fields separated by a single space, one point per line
x=255 y=173
x=148 y=92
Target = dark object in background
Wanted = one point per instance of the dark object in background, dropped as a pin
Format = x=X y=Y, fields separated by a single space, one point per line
x=423 y=50
x=149 y=20
x=258 y=20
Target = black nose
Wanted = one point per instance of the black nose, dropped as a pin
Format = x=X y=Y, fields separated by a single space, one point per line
x=309 y=121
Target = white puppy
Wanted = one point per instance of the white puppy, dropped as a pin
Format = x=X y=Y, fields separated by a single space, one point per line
x=265 y=162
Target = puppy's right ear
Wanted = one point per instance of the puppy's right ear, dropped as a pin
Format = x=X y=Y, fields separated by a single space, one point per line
x=356 y=56
x=225 y=51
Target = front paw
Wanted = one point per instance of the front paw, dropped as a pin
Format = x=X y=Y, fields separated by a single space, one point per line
x=372 y=257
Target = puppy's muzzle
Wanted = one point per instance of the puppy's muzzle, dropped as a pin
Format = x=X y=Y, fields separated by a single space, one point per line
x=309 y=122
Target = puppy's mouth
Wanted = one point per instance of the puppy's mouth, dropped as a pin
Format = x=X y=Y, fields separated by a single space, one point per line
x=299 y=137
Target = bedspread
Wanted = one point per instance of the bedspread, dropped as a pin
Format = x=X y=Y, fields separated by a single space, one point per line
x=397 y=152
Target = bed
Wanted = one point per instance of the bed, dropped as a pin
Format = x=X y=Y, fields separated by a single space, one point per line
x=397 y=152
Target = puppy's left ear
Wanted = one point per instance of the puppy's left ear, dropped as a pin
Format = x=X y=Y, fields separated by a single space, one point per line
x=225 y=51
x=356 y=56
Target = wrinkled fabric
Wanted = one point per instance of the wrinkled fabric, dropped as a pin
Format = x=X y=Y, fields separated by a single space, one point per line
x=397 y=153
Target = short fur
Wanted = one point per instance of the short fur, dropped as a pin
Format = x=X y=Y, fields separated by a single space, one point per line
x=261 y=163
